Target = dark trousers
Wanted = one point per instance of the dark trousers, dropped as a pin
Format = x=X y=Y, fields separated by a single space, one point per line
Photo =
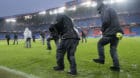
x=49 y=42
x=34 y=40
x=8 y=40
x=43 y=40
x=28 y=43
x=69 y=46
x=15 y=41
x=84 y=38
x=113 y=49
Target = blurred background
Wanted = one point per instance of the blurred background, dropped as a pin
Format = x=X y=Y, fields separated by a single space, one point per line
x=37 y=15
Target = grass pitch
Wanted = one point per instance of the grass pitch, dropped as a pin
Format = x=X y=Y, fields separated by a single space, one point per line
x=39 y=62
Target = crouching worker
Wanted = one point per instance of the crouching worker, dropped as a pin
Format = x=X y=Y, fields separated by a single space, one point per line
x=69 y=41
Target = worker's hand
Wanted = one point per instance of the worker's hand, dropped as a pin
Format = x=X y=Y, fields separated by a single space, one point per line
x=119 y=35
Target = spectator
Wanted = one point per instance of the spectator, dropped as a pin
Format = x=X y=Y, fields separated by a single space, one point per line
x=27 y=37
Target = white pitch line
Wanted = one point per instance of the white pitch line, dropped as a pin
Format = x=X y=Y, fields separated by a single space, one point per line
x=11 y=73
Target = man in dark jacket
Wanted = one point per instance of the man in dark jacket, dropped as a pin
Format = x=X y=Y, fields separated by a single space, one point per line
x=15 y=38
x=69 y=41
x=7 y=36
x=110 y=27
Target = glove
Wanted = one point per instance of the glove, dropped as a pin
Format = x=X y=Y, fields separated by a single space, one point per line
x=119 y=35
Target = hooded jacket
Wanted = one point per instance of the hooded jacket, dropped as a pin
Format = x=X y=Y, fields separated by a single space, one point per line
x=65 y=28
x=27 y=33
x=110 y=22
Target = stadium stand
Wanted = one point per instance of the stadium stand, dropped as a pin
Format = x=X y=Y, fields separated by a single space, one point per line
x=86 y=17
x=136 y=30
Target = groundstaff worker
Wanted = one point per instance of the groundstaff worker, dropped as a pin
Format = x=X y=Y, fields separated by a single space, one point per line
x=112 y=32
x=69 y=41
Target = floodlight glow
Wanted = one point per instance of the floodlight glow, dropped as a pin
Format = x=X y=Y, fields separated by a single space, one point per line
x=42 y=13
x=105 y=2
x=94 y=4
x=27 y=17
x=87 y=3
x=114 y=1
x=13 y=20
x=109 y=2
x=50 y=12
x=72 y=8
x=55 y=11
x=61 y=9
x=120 y=1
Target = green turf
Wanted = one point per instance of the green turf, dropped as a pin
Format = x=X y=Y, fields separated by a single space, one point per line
x=39 y=61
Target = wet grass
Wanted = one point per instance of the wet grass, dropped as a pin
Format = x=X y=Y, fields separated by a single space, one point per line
x=39 y=61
